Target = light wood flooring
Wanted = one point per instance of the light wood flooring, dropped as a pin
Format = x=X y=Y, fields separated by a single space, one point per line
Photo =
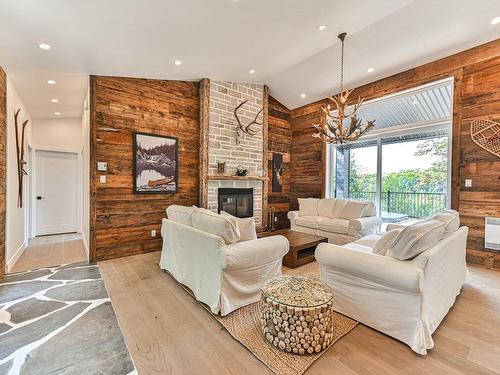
x=49 y=251
x=168 y=332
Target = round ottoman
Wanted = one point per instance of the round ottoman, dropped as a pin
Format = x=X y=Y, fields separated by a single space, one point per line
x=296 y=314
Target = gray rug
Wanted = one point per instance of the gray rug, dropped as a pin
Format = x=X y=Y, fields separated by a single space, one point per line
x=60 y=320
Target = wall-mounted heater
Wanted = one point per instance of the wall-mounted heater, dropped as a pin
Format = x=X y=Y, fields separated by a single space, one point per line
x=492 y=233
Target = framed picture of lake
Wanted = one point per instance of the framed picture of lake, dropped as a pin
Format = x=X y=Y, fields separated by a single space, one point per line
x=155 y=164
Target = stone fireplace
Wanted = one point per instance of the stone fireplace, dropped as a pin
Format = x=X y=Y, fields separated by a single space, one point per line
x=220 y=142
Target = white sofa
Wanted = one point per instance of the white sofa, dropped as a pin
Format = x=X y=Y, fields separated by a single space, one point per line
x=221 y=271
x=342 y=221
x=403 y=299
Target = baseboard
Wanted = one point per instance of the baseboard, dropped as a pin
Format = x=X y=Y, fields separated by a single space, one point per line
x=86 y=246
x=12 y=261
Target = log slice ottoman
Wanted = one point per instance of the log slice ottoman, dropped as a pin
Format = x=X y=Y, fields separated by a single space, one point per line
x=296 y=314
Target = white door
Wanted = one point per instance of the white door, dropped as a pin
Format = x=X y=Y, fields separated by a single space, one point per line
x=56 y=192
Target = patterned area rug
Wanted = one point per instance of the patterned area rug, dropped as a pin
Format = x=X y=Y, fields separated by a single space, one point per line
x=60 y=320
x=244 y=325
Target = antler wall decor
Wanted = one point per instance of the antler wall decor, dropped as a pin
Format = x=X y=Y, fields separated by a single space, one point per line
x=246 y=128
x=21 y=163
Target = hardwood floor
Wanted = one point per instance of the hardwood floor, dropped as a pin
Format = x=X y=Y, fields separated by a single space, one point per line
x=49 y=251
x=168 y=332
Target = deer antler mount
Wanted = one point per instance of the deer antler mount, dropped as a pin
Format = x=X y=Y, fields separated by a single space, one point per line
x=247 y=128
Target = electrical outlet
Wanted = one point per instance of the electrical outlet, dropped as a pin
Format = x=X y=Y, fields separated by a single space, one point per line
x=468 y=182
x=153 y=232
x=102 y=166
x=102 y=179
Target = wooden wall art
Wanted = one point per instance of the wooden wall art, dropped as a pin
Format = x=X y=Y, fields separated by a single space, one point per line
x=21 y=163
x=486 y=134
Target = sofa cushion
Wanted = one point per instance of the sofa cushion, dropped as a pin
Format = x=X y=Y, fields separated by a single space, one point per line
x=352 y=210
x=326 y=207
x=368 y=240
x=358 y=247
x=415 y=239
x=370 y=210
x=245 y=225
x=451 y=219
x=219 y=225
x=382 y=245
x=180 y=214
x=340 y=226
x=308 y=206
x=309 y=221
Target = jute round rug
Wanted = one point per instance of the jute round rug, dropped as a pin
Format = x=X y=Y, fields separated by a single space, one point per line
x=244 y=325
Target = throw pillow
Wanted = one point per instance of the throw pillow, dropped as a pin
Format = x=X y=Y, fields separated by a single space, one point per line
x=308 y=206
x=353 y=210
x=451 y=218
x=219 y=225
x=246 y=226
x=370 y=210
x=180 y=214
x=382 y=245
x=415 y=239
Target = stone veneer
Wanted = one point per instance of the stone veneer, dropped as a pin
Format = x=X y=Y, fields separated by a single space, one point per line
x=224 y=145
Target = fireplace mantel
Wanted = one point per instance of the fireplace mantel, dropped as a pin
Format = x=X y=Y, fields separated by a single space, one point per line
x=237 y=178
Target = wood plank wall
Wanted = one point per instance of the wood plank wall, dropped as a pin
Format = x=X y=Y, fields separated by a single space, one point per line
x=120 y=221
x=476 y=75
x=279 y=141
x=3 y=165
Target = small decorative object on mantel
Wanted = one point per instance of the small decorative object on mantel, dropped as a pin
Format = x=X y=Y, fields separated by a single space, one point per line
x=486 y=134
x=221 y=167
x=333 y=130
x=246 y=128
x=240 y=171
x=155 y=164
x=21 y=163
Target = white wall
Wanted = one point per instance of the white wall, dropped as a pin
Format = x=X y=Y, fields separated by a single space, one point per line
x=57 y=133
x=85 y=133
x=17 y=218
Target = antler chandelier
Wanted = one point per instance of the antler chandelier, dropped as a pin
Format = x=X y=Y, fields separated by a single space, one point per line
x=333 y=130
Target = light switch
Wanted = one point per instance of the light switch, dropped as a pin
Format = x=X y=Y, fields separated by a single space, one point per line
x=102 y=166
x=102 y=179
x=468 y=182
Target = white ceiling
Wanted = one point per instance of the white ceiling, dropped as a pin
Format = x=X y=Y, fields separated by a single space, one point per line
x=224 y=39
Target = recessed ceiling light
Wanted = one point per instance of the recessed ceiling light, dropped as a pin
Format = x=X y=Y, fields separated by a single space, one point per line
x=370 y=70
x=251 y=71
x=303 y=95
x=495 y=21
x=57 y=113
x=415 y=102
x=51 y=82
x=177 y=62
x=54 y=100
x=44 y=46
x=322 y=27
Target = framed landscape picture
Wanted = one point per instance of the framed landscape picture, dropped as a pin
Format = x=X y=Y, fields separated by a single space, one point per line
x=277 y=173
x=155 y=164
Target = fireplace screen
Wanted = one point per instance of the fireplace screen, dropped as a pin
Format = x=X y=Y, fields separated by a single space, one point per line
x=237 y=202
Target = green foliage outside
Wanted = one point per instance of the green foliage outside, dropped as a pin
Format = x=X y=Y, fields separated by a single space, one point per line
x=402 y=190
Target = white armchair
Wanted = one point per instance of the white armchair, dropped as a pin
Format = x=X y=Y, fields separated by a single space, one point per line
x=403 y=299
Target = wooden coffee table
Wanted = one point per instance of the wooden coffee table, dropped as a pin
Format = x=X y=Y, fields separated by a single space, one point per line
x=302 y=246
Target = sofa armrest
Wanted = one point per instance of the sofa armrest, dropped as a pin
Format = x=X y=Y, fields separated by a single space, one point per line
x=292 y=216
x=378 y=269
x=365 y=225
x=392 y=226
x=254 y=253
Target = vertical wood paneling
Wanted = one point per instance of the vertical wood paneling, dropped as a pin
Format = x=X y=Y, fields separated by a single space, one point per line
x=3 y=165
x=476 y=75
x=121 y=221
x=279 y=141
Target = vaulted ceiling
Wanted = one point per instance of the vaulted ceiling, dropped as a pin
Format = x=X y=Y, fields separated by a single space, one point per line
x=225 y=40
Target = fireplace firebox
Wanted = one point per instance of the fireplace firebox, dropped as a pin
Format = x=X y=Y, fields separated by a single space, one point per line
x=237 y=202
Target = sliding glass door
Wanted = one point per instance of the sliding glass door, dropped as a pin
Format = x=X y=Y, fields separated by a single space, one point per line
x=407 y=175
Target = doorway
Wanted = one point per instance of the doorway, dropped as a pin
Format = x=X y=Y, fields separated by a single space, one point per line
x=56 y=192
